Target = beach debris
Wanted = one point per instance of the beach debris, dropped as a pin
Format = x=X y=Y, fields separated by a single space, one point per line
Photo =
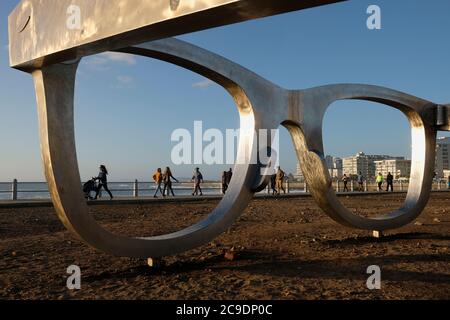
x=230 y=254
x=418 y=223
x=436 y=220
x=155 y=262
x=215 y=244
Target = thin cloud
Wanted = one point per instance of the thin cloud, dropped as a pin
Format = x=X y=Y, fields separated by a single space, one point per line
x=119 y=57
x=125 y=82
x=104 y=60
x=203 y=84
x=124 y=79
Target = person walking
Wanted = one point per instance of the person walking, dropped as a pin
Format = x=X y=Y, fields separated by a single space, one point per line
x=229 y=176
x=103 y=182
x=273 y=184
x=167 y=179
x=390 y=182
x=360 y=181
x=345 y=180
x=379 y=180
x=279 y=181
x=224 y=182
x=197 y=178
x=158 y=178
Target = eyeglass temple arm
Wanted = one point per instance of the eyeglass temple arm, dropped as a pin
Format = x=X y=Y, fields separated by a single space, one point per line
x=443 y=117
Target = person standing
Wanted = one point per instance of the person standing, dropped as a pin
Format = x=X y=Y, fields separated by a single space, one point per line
x=390 y=182
x=360 y=181
x=158 y=178
x=448 y=182
x=279 y=181
x=345 y=180
x=273 y=184
x=379 y=180
x=229 y=176
x=103 y=182
x=167 y=179
x=197 y=178
x=224 y=182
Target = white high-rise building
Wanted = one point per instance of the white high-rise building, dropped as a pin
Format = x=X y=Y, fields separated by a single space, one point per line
x=334 y=166
x=446 y=174
x=398 y=168
x=352 y=166
x=365 y=164
x=442 y=156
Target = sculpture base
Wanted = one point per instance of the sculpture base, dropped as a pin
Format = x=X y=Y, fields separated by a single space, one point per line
x=377 y=234
x=155 y=262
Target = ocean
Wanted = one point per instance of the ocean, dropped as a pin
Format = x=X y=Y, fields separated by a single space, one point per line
x=39 y=190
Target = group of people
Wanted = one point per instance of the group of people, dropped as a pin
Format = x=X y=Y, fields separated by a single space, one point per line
x=276 y=182
x=379 y=180
x=389 y=182
x=166 y=178
x=163 y=181
x=360 y=179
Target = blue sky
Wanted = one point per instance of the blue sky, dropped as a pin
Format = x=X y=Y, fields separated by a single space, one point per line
x=127 y=107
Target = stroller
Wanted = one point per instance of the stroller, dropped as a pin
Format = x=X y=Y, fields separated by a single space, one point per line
x=88 y=188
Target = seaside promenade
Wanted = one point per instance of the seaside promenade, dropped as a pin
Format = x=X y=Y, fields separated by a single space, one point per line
x=118 y=201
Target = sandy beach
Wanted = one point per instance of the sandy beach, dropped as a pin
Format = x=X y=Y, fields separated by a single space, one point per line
x=285 y=249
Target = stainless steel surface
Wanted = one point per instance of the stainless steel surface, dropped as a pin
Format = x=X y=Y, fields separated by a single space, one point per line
x=55 y=92
x=261 y=105
x=38 y=32
x=443 y=117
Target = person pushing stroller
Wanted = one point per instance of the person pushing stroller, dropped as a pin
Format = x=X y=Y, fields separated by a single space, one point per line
x=103 y=182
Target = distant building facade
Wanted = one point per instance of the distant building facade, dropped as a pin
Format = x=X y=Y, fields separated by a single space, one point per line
x=366 y=164
x=442 y=156
x=334 y=165
x=399 y=168
x=352 y=166
x=446 y=174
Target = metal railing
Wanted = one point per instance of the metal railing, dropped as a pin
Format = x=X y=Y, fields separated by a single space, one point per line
x=212 y=187
x=371 y=185
x=137 y=189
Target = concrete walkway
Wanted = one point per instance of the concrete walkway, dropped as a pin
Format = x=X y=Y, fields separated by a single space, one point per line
x=181 y=199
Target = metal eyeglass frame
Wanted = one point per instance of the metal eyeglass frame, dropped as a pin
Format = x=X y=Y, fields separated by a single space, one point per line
x=262 y=105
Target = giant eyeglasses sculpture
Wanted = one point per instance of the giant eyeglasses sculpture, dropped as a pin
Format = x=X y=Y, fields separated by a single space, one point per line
x=41 y=44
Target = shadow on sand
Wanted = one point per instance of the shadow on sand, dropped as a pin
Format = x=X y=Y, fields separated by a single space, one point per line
x=265 y=263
